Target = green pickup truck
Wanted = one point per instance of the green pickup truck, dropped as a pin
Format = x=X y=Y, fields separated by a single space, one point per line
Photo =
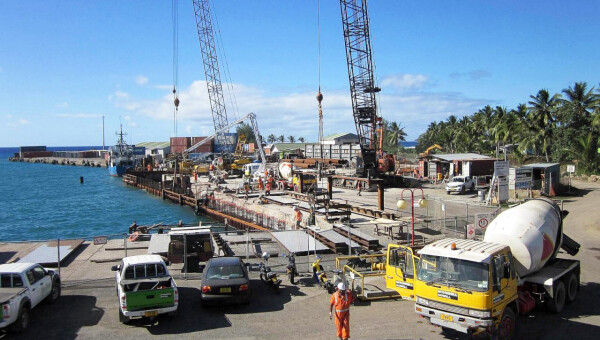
x=145 y=288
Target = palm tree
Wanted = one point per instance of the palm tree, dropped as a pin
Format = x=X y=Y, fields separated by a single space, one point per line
x=543 y=113
x=301 y=139
x=281 y=139
x=291 y=139
x=271 y=138
x=395 y=135
x=579 y=104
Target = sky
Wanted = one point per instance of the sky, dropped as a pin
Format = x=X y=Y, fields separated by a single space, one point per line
x=66 y=64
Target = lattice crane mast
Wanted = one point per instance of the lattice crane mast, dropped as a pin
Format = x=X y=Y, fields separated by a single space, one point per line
x=355 y=21
x=211 y=68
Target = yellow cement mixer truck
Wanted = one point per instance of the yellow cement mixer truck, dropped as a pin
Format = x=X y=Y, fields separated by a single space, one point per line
x=472 y=286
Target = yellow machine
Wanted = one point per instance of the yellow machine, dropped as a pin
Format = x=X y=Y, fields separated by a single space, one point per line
x=400 y=270
x=426 y=153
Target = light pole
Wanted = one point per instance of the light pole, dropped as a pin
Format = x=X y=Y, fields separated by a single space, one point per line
x=402 y=203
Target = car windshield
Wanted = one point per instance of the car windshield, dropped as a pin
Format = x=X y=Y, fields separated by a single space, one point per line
x=462 y=274
x=225 y=272
x=458 y=179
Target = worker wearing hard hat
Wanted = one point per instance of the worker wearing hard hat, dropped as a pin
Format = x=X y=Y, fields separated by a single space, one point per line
x=341 y=300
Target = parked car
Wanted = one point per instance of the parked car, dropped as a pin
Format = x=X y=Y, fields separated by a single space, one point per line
x=225 y=279
x=22 y=287
x=460 y=184
x=145 y=288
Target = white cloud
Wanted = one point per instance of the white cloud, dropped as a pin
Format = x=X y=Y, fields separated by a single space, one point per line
x=79 y=115
x=23 y=121
x=404 y=81
x=297 y=113
x=164 y=87
x=471 y=75
x=16 y=123
x=62 y=105
x=8 y=116
x=118 y=95
x=141 y=80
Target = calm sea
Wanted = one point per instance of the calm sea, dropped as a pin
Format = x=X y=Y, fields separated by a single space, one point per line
x=45 y=201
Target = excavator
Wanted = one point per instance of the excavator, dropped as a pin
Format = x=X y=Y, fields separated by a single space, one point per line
x=429 y=149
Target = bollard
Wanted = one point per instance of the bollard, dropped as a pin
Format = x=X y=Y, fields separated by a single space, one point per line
x=81 y=179
x=125 y=244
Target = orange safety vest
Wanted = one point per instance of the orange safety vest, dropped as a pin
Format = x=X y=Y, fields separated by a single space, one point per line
x=341 y=304
x=298 y=216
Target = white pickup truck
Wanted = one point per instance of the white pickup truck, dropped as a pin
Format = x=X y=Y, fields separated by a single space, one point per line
x=460 y=184
x=22 y=287
x=145 y=288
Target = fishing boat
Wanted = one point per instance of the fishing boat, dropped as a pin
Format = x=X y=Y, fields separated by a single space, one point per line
x=121 y=156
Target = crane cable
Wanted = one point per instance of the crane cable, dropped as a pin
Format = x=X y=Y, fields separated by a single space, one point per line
x=174 y=17
x=319 y=94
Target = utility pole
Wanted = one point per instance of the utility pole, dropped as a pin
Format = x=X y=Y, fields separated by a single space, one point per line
x=102 y=132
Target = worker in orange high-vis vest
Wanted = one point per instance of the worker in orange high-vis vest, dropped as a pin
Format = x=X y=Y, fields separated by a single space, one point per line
x=297 y=216
x=340 y=305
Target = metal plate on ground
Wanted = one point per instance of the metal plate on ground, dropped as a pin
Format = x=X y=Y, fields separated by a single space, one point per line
x=338 y=238
x=48 y=253
x=298 y=241
x=159 y=244
x=282 y=200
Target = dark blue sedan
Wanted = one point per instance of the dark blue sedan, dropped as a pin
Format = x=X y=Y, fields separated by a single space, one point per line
x=225 y=279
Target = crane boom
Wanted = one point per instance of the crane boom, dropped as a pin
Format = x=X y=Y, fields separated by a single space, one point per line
x=211 y=68
x=355 y=22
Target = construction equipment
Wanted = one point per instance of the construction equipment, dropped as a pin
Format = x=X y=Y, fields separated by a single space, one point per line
x=426 y=153
x=473 y=286
x=251 y=117
x=211 y=68
x=355 y=21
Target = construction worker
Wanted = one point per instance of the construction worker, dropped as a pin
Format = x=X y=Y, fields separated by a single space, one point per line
x=358 y=187
x=260 y=183
x=270 y=181
x=297 y=216
x=341 y=301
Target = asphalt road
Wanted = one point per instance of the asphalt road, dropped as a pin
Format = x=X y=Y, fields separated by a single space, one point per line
x=90 y=311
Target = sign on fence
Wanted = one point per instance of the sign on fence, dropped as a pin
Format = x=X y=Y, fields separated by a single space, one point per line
x=482 y=220
x=100 y=240
x=470 y=231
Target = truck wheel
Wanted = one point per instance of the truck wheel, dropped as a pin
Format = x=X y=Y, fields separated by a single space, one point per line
x=22 y=321
x=55 y=293
x=556 y=304
x=506 y=328
x=124 y=319
x=572 y=285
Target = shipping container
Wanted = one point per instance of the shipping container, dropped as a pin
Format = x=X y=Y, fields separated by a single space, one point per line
x=181 y=141
x=208 y=147
x=32 y=148
x=36 y=154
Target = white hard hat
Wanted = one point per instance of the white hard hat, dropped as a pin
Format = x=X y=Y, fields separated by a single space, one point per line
x=295 y=207
x=341 y=286
x=265 y=255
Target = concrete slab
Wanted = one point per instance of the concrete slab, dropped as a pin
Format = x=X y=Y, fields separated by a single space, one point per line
x=298 y=241
x=51 y=252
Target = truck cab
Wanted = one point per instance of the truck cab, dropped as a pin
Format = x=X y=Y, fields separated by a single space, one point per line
x=145 y=288
x=22 y=287
x=469 y=286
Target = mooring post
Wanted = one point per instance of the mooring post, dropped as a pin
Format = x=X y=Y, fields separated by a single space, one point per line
x=380 y=196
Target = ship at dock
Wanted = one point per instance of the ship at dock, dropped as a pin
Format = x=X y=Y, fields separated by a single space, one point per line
x=121 y=156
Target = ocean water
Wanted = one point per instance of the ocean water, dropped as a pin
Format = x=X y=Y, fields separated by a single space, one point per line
x=45 y=201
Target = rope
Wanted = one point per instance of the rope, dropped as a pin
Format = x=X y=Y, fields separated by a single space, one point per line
x=228 y=81
x=174 y=19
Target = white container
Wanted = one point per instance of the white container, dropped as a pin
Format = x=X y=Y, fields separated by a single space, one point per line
x=532 y=230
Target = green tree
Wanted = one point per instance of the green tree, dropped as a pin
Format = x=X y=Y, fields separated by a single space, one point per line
x=301 y=139
x=543 y=114
x=395 y=135
x=245 y=130
x=281 y=139
x=271 y=138
x=291 y=139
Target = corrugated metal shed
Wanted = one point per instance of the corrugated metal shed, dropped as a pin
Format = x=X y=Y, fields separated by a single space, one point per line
x=460 y=157
x=297 y=241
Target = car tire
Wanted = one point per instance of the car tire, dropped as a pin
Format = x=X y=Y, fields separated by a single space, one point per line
x=122 y=318
x=55 y=292
x=22 y=322
x=447 y=192
x=506 y=328
x=556 y=304
x=572 y=286
x=462 y=189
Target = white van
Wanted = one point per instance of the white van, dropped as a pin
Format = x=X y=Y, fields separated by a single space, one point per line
x=250 y=168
